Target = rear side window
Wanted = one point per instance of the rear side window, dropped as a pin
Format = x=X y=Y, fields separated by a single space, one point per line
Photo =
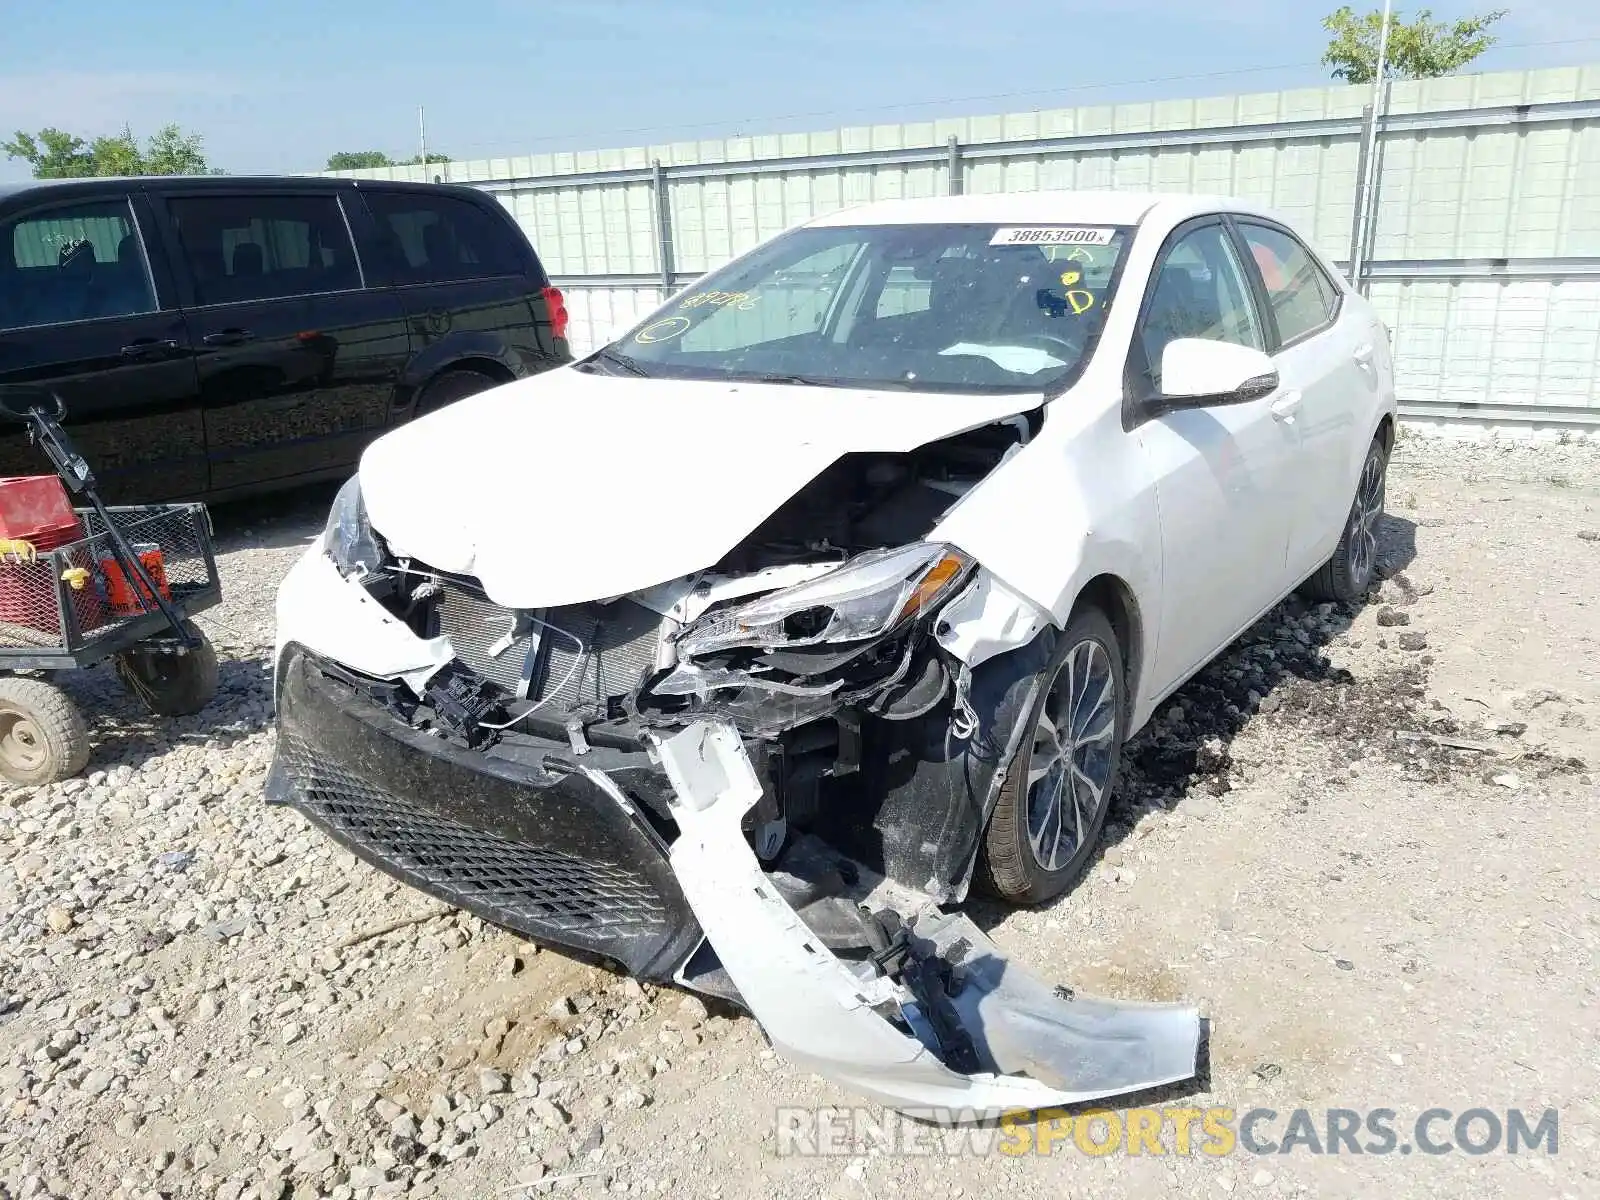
x=1303 y=298
x=437 y=239
x=240 y=248
x=77 y=262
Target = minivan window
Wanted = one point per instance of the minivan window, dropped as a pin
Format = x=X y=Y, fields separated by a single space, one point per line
x=439 y=239
x=241 y=248
x=76 y=262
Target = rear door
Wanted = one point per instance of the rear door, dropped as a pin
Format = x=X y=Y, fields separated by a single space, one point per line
x=83 y=313
x=1322 y=361
x=298 y=359
x=1225 y=477
x=464 y=273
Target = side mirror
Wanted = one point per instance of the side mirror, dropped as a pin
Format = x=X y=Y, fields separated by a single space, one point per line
x=1199 y=373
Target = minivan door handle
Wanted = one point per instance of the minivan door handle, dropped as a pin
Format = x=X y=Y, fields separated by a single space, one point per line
x=229 y=337
x=150 y=348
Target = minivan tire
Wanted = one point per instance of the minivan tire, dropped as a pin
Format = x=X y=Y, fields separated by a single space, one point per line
x=453 y=385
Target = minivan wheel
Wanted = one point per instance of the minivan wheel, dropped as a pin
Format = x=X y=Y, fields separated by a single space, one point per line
x=452 y=386
x=1057 y=790
x=1350 y=572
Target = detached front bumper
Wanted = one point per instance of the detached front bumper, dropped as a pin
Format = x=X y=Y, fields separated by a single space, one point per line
x=539 y=849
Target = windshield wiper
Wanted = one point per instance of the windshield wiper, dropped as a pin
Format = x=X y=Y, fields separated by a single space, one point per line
x=627 y=363
x=801 y=380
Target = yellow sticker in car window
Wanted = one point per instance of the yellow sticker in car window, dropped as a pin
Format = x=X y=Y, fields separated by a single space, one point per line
x=1068 y=278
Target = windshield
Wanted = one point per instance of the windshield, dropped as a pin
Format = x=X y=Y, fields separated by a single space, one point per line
x=915 y=307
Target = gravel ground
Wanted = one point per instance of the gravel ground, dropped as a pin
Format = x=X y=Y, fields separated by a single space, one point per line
x=1364 y=842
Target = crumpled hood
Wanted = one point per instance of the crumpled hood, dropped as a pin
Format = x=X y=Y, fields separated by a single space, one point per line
x=570 y=487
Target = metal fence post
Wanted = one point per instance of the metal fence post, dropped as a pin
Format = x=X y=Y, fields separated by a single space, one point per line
x=658 y=182
x=1358 y=211
x=953 y=168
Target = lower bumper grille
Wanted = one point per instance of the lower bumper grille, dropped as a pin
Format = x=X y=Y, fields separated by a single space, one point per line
x=526 y=886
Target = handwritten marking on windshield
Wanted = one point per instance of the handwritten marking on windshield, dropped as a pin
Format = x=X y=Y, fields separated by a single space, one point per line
x=663 y=330
x=743 y=301
x=1068 y=278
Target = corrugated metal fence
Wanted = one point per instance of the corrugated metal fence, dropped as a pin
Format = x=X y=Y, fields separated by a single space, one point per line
x=1481 y=244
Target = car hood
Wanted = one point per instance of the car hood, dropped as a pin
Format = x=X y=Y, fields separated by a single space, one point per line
x=571 y=486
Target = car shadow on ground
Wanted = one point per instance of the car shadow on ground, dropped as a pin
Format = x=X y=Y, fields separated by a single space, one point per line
x=1184 y=751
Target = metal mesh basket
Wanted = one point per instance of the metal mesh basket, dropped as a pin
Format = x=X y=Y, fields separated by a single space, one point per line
x=78 y=597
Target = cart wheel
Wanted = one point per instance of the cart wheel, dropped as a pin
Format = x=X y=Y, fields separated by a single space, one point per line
x=170 y=684
x=42 y=734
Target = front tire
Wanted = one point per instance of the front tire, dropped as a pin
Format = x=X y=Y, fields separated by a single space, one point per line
x=1354 y=565
x=1057 y=791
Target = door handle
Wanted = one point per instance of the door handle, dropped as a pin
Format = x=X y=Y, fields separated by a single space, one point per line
x=1286 y=406
x=150 y=348
x=229 y=337
x=1363 y=354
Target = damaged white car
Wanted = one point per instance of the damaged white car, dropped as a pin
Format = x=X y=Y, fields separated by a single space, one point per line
x=735 y=652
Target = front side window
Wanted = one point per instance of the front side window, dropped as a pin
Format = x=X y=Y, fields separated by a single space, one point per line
x=913 y=307
x=1200 y=291
x=1303 y=298
x=77 y=262
x=441 y=239
x=242 y=248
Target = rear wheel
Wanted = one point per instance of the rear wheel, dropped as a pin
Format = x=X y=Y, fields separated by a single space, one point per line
x=452 y=386
x=1057 y=791
x=169 y=683
x=1354 y=565
x=42 y=734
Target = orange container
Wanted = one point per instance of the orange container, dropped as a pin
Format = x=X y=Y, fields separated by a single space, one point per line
x=128 y=596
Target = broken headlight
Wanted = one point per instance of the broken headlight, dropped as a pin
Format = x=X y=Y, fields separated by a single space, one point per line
x=348 y=536
x=865 y=598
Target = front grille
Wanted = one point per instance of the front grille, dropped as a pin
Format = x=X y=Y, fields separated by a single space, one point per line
x=588 y=653
x=528 y=887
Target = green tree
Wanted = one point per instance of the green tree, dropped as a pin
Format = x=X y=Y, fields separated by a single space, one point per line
x=1419 y=49
x=54 y=154
x=416 y=159
x=356 y=160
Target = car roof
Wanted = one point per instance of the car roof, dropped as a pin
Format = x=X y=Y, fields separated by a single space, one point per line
x=1085 y=208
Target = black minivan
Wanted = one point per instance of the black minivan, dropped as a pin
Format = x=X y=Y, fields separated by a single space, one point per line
x=217 y=336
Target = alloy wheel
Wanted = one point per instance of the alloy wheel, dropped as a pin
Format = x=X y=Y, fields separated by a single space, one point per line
x=1364 y=513
x=1069 y=770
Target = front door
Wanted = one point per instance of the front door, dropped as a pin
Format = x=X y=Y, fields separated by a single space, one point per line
x=1224 y=476
x=297 y=358
x=81 y=315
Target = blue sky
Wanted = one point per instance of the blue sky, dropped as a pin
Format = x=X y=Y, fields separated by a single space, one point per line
x=279 y=86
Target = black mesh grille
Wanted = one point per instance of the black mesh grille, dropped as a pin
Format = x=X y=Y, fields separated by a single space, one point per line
x=526 y=886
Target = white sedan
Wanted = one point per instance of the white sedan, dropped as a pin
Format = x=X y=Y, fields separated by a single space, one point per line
x=733 y=652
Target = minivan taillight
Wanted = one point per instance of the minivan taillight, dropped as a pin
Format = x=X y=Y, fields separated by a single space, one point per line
x=557 y=305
